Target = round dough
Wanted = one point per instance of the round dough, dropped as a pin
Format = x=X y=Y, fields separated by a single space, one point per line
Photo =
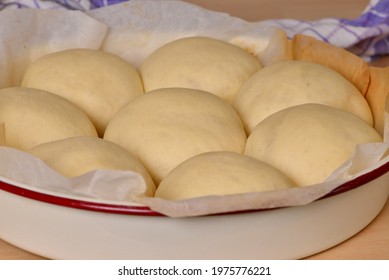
x=199 y=63
x=98 y=82
x=33 y=116
x=288 y=83
x=308 y=142
x=220 y=173
x=78 y=155
x=167 y=126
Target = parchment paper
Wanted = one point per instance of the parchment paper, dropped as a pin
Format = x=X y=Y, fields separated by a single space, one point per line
x=133 y=30
x=137 y=28
x=28 y=34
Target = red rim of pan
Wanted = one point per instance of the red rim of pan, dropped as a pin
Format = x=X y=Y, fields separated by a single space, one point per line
x=146 y=211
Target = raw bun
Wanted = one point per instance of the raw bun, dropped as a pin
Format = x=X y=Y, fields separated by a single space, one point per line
x=167 y=126
x=32 y=117
x=98 y=82
x=308 y=142
x=220 y=173
x=199 y=63
x=78 y=155
x=288 y=83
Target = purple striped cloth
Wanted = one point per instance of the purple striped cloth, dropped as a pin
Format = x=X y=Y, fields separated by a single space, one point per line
x=366 y=36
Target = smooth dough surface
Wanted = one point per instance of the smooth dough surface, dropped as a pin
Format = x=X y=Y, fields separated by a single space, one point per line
x=289 y=83
x=167 y=126
x=32 y=117
x=199 y=63
x=78 y=155
x=220 y=173
x=98 y=82
x=308 y=142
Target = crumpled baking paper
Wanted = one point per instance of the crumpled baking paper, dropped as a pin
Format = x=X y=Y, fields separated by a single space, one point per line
x=27 y=34
x=133 y=30
x=366 y=35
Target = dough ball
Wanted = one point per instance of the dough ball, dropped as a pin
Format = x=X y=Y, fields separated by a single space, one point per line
x=220 y=173
x=98 y=82
x=33 y=116
x=288 y=83
x=78 y=155
x=199 y=63
x=308 y=142
x=167 y=126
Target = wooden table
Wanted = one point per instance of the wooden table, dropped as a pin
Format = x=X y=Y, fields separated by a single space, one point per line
x=373 y=241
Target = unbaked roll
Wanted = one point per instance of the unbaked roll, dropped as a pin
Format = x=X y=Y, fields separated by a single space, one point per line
x=167 y=126
x=200 y=63
x=289 y=83
x=32 y=117
x=78 y=155
x=220 y=173
x=308 y=142
x=98 y=82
